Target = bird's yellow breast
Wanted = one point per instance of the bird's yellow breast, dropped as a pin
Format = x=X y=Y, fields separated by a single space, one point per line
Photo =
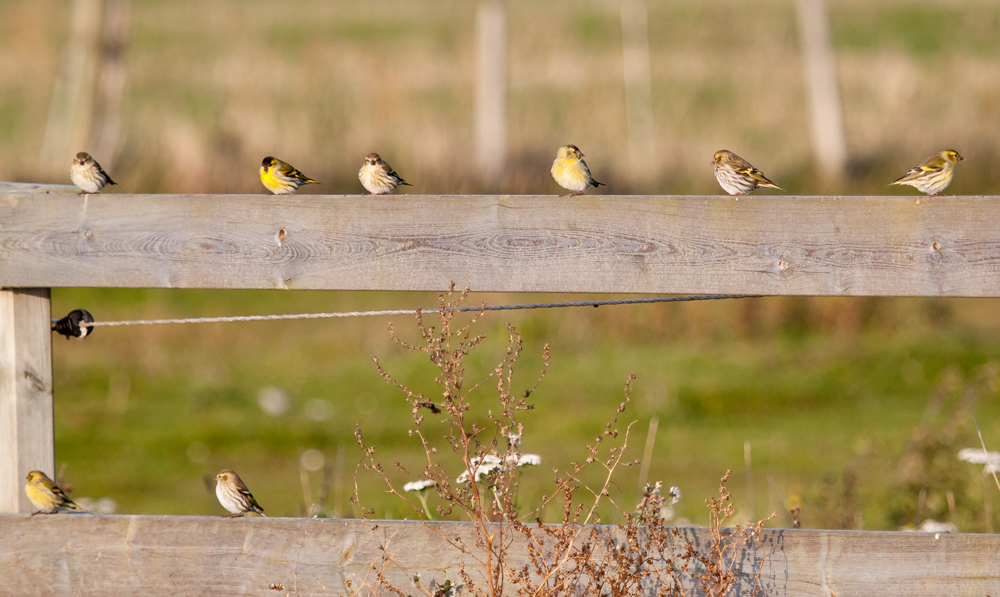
x=38 y=495
x=569 y=170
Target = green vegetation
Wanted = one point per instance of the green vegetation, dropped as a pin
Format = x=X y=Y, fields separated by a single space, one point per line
x=823 y=390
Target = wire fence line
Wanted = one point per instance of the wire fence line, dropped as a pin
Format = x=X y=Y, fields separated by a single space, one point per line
x=602 y=303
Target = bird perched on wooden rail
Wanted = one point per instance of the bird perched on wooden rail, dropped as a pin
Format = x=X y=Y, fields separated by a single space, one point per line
x=571 y=172
x=281 y=178
x=234 y=495
x=46 y=495
x=934 y=174
x=87 y=174
x=378 y=177
x=70 y=327
x=737 y=176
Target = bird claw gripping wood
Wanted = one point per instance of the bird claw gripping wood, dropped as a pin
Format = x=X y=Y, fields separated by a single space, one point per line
x=70 y=327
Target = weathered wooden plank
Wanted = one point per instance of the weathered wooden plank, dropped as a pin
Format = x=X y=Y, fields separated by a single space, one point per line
x=26 y=435
x=34 y=187
x=150 y=555
x=946 y=246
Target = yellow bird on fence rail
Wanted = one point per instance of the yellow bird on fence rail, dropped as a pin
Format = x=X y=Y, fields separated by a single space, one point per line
x=281 y=178
x=934 y=174
x=571 y=172
x=46 y=495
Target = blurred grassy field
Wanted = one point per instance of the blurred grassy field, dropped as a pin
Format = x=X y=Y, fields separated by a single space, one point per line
x=832 y=395
x=324 y=84
x=850 y=407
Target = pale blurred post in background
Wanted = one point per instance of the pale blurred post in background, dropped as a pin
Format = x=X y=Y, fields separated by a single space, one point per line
x=106 y=134
x=89 y=90
x=491 y=90
x=638 y=90
x=826 y=124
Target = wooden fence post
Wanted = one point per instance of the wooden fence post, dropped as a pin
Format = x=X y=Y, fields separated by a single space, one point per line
x=825 y=119
x=638 y=91
x=26 y=435
x=491 y=90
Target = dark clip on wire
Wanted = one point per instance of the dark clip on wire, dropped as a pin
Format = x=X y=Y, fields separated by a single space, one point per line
x=70 y=327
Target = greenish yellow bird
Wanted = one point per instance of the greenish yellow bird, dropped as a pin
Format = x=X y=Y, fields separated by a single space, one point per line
x=737 y=176
x=281 y=178
x=46 y=495
x=571 y=172
x=934 y=174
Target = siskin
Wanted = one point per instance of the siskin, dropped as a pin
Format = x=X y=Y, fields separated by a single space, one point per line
x=737 y=176
x=934 y=174
x=46 y=495
x=571 y=172
x=281 y=178
x=378 y=177
x=234 y=495
x=87 y=174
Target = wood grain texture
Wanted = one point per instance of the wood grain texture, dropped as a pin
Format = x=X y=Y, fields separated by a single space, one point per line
x=767 y=244
x=26 y=434
x=150 y=555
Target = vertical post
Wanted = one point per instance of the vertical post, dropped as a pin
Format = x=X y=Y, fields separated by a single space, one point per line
x=491 y=89
x=638 y=89
x=826 y=124
x=70 y=108
x=26 y=435
x=105 y=138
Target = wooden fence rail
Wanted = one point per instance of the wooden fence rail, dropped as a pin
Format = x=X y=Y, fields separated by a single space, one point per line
x=768 y=244
x=188 y=555
x=761 y=245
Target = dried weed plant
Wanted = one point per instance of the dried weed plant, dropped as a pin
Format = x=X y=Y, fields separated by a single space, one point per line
x=577 y=555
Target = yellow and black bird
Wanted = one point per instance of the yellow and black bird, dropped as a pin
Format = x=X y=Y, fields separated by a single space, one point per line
x=281 y=178
x=571 y=172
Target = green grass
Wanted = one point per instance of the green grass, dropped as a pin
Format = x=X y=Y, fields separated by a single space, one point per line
x=814 y=403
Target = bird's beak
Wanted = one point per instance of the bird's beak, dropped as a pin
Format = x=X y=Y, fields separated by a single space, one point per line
x=961 y=159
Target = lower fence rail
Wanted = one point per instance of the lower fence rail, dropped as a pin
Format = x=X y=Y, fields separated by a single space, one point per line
x=188 y=555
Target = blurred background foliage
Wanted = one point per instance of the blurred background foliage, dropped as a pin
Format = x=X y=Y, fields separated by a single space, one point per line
x=852 y=409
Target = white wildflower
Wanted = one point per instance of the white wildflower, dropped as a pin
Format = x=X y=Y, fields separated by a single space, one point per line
x=419 y=485
x=529 y=460
x=977 y=456
x=932 y=526
x=675 y=495
x=489 y=463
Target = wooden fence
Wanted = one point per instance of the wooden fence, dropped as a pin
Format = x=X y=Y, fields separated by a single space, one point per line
x=194 y=555
x=761 y=245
